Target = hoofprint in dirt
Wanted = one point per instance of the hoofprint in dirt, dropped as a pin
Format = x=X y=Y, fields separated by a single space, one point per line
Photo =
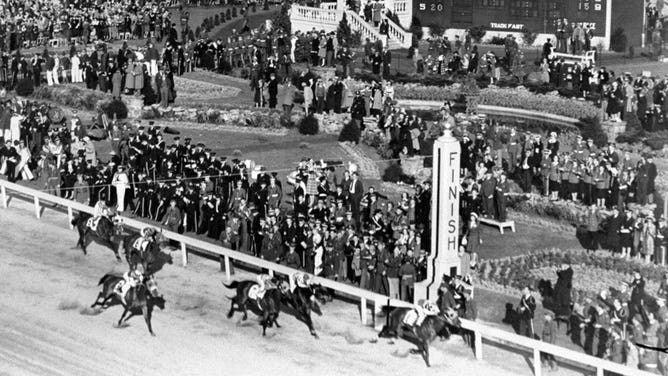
x=45 y=327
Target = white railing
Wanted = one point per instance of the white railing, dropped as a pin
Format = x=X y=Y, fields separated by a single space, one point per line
x=480 y=331
x=358 y=24
x=314 y=15
x=395 y=32
x=400 y=7
x=328 y=5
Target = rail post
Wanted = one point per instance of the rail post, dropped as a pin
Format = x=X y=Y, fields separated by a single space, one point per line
x=537 y=365
x=37 y=208
x=184 y=254
x=599 y=371
x=228 y=275
x=363 y=310
x=477 y=344
x=4 y=196
x=70 y=217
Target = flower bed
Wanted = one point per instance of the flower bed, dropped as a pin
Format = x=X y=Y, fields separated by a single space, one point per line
x=253 y=118
x=524 y=99
x=72 y=96
x=593 y=272
x=188 y=89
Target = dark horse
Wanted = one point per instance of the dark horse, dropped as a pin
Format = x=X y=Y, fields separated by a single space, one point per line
x=141 y=299
x=303 y=301
x=155 y=256
x=103 y=233
x=269 y=304
x=422 y=336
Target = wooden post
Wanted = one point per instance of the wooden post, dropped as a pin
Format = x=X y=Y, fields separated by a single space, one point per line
x=228 y=275
x=70 y=217
x=37 y=208
x=271 y=273
x=537 y=365
x=477 y=344
x=184 y=254
x=375 y=312
x=599 y=371
x=363 y=310
x=4 y=196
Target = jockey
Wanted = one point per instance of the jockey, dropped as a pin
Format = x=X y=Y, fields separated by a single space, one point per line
x=264 y=282
x=99 y=210
x=302 y=280
x=427 y=308
x=145 y=239
x=131 y=279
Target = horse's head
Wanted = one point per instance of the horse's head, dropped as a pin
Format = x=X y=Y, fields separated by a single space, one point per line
x=451 y=317
x=284 y=287
x=152 y=287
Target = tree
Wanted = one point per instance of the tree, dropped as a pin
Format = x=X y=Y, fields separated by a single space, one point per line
x=282 y=20
x=343 y=32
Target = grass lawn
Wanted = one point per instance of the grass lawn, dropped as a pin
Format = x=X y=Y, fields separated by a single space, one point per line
x=245 y=97
x=527 y=238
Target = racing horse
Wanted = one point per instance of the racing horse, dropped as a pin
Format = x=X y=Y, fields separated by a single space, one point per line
x=423 y=335
x=140 y=299
x=269 y=304
x=153 y=258
x=303 y=301
x=103 y=234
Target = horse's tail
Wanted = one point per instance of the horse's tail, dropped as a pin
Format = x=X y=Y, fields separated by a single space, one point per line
x=232 y=285
x=105 y=279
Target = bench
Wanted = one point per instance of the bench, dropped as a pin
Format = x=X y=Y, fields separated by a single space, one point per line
x=500 y=225
x=589 y=56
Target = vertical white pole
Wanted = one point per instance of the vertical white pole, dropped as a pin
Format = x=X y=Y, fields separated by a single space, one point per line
x=37 y=209
x=536 y=363
x=271 y=273
x=184 y=254
x=363 y=310
x=4 y=196
x=608 y=25
x=599 y=371
x=70 y=217
x=477 y=344
x=227 y=268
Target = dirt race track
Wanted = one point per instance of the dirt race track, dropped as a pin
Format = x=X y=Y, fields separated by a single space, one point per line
x=47 y=329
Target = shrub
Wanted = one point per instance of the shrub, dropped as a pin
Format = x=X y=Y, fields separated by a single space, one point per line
x=115 y=108
x=656 y=143
x=499 y=41
x=265 y=6
x=198 y=32
x=309 y=125
x=350 y=132
x=282 y=19
x=24 y=87
x=590 y=127
x=234 y=12
x=395 y=174
x=222 y=17
x=436 y=30
x=343 y=32
x=528 y=37
x=254 y=8
x=634 y=131
x=216 y=20
x=191 y=36
x=618 y=40
x=416 y=28
x=477 y=33
x=228 y=14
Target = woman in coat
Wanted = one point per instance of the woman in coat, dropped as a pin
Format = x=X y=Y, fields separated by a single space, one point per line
x=562 y=292
x=129 y=76
x=138 y=73
x=116 y=83
x=648 y=235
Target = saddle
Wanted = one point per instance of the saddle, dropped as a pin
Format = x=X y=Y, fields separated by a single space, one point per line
x=92 y=223
x=411 y=318
x=256 y=293
x=140 y=244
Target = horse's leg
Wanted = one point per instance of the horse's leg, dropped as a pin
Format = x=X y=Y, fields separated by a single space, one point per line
x=309 y=323
x=425 y=352
x=85 y=242
x=125 y=311
x=244 y=309
x=231 y=312
x=97 y=300
x=109 y=244
x=147 y=317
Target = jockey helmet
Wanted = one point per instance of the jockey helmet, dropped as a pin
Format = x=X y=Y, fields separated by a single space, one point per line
x=147 y=231
x=430 y=306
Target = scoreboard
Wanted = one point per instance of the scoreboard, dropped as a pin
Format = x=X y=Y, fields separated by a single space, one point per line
x=430 y=12
x=512 y=15
x=591 y=13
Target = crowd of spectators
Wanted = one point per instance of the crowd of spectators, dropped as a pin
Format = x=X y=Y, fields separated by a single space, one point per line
x=25 y=24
